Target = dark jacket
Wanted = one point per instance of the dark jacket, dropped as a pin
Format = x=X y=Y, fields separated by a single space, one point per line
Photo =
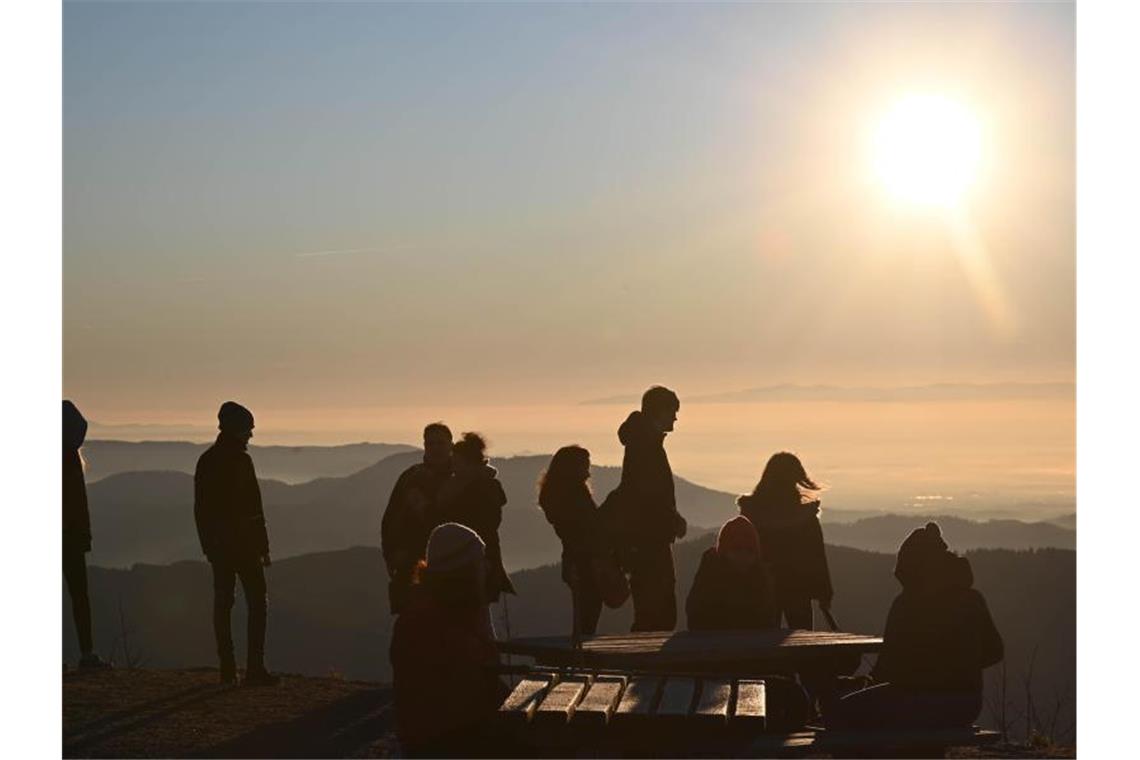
x=939 y=635
x=227 y=504
x=724 y=599
x=477 y=502
x=575 y=519
x=76 y=518
x=404 y=529
x=442 y=673
x=642 y=510
x=791 y=538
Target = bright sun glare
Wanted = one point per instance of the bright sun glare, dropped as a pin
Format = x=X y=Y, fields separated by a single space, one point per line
x=926 y=150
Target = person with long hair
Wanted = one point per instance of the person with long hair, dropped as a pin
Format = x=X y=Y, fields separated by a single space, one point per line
x=473 y=496
x=565 y=498
x=77 y=533
x=442 y=652
x=784 y=507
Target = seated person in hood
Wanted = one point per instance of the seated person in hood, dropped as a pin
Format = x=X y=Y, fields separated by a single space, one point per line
x=732 y=590
x=443 y=656
x=785 y=511
x=473 y=496
x=939 y=637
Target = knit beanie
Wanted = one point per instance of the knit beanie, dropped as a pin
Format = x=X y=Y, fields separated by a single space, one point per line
x=74 y=426
x=452 y=546
x=235 y=418
x=917 y=553
x=738 y=533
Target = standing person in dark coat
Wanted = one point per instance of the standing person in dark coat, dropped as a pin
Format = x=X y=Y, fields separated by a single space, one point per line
x=443 y=654
x=473 y=496
x=231 y=530
x=77 y=533
x=565 y=497
x=939 y=637
x=732 y=590
x=407 y=522
x=641 y=513
x=786 y=517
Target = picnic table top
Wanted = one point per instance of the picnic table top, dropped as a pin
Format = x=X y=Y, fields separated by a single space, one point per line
x=694 y=648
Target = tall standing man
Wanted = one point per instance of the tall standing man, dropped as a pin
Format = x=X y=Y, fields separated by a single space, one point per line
x=231 y=529
x=642 y=511
x=407 y=519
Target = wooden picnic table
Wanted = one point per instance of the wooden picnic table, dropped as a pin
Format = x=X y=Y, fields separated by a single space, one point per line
x=734 y=652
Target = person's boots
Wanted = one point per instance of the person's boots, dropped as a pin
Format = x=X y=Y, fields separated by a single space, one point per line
x=92 y=661
x=259 y=676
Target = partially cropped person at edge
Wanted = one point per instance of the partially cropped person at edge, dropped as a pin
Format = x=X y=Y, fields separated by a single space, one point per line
x=77 y=533
x=231 y=530
x=473 y=496
x=443 y=656
x=938 y=639
x=565 y=498
x=407 y=519
x=732 y=590
x=785 y=510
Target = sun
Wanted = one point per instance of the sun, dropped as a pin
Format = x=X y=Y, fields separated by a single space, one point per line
x=926 y=150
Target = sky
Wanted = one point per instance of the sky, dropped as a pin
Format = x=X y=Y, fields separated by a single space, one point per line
x=349 y=215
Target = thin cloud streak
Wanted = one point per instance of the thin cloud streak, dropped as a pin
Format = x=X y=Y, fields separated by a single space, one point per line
x=340 y=252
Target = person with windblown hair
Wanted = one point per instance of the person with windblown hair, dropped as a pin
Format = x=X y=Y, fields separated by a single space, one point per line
x=732 y=590
x=938 y=639
x=785 y=512
x=565 y=498
x=77 y=533
x=442 y=652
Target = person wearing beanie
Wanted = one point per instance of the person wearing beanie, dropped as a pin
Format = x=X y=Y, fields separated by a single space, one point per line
x=938 y=639
x=473 y=496
x=784 y=507
x=641 y=514
x=406 y=522
x=233 y=536
x=442 y=638
x=77 y=533
x=732 y=589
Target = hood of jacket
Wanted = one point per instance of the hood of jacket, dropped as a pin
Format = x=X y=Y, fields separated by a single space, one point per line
x=637 y=430
x=74 y=426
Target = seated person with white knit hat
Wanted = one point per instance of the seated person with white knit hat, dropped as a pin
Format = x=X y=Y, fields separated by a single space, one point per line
x=442 y=652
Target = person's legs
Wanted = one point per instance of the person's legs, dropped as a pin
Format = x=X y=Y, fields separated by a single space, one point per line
x=223 y=604
x=75 y=573
x=652 y=583
x=798 y=611
x=252 y=576
x=587 y=601
x=885 y=706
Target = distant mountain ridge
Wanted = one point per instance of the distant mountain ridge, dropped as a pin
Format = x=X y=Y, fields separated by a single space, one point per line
x=931 y=392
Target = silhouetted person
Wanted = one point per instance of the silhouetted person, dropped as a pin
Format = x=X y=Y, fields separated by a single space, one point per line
x=443 y=654
x=77 y=533
x=231 y=529
x=732 y=590
x=787 y=521
x=407 y=519
x=641 y=513
x=939 y=637
x=473 y=496
x=565 y=497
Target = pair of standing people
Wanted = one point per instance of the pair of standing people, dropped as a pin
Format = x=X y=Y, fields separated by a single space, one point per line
x=453 y=483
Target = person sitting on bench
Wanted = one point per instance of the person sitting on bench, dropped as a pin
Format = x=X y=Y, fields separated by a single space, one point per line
x=732 y=589
x=442 y=652
x=939 y=637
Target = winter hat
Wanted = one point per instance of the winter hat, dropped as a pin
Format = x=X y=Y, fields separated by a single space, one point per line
x=918 y=551
x=74 y=426
x=235 y=418
x=452 y=546
x=738 y=533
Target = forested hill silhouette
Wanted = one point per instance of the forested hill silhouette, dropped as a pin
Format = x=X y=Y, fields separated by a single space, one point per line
x=290 y=464
x=148 y=516
x=329 y=614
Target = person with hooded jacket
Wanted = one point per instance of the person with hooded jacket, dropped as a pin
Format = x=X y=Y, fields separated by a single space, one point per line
x=77 y=533
x=939 y=637
x=641 y=514
x=791 y=538
x=732 y=590
x=233 y=536
x=473 y=496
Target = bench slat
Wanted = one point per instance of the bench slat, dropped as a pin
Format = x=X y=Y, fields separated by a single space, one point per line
x=677 y=697
x=712 y=706
x=751 y=704
x=558 y=706
x=598 y=704
x=521 y=703
x=640 y=697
